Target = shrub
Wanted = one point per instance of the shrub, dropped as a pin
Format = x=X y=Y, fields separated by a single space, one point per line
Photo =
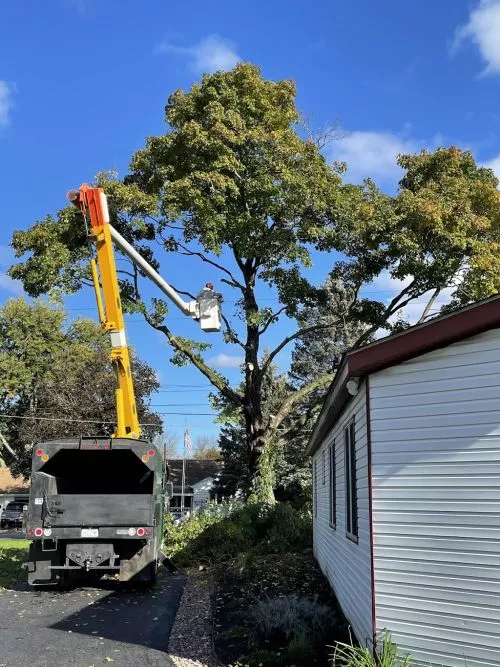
x=286 y=617
x=290 y=528
x=222 y=532
x=347 y=655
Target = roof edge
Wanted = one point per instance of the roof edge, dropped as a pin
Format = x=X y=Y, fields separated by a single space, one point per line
x=389 y=351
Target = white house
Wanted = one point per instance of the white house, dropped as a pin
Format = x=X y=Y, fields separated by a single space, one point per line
x=199 y=480
x=406 y=463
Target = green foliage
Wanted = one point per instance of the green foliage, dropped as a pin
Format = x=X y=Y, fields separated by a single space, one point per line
x=13 y=553
x=387 y=655
x=233 y=161
x=234 y=183
x=52 y=369
x=234 y=476
x=224 y=531
x=180 y=358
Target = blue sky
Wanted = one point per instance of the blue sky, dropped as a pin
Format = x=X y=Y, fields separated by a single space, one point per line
x=82 y=82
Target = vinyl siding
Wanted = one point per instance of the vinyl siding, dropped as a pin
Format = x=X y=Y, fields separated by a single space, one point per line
x=346 y=564
x=435 y=433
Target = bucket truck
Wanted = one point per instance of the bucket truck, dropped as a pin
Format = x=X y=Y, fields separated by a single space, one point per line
x=96 y=503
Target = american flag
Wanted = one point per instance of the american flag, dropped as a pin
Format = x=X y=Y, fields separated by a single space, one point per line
x=187 y=440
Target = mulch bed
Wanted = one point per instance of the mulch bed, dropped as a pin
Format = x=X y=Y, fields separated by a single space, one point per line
x=240 y=582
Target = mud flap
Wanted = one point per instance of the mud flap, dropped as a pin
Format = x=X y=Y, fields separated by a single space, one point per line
x=141 y=567
x=39 y=564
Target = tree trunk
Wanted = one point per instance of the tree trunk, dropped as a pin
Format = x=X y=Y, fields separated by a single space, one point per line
x=254 y=428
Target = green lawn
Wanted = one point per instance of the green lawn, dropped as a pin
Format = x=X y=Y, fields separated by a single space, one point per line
x=12 y=554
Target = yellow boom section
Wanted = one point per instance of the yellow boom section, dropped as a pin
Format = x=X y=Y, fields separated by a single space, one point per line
x=92 y=202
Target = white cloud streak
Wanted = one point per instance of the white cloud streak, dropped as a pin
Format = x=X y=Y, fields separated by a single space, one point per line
x=6 y=91
x=211 y=54
x=372 y=154
x=8 y=284
x=483 y=30
x=223 y=360
x=495 y=165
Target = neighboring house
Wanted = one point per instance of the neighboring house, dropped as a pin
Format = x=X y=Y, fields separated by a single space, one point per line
x=200 y=477
x=406 y=466
x=12 y=488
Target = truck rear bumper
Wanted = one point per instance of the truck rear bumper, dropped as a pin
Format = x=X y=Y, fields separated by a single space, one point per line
x=132 y=559
x=107 y=533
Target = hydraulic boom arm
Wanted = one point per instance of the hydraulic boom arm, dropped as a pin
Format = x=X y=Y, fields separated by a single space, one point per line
x=92 y=201
x=101 y=234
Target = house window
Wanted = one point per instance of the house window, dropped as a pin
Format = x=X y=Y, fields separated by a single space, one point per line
x=351 y=498
x=333 y=487
x=323 y=456
x=315 y=485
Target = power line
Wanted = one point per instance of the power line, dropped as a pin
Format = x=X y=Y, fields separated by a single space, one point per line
x=179 y=405
x=64 y=419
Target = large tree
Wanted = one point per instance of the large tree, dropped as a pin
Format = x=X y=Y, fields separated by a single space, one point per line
x=57 y=380
x=234 y=183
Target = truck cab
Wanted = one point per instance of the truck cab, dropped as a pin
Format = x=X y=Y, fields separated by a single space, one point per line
x=95 y=506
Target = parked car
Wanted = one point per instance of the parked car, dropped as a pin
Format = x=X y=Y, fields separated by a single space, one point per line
x=12 y=515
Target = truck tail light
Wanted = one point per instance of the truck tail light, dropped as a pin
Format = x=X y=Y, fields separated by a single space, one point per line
x=145 y=458
x=140 y=532
x=151 y=452
x=47 y=532
x=39 y=452
x=38 y=532
x=148 y=531
x=31 y=532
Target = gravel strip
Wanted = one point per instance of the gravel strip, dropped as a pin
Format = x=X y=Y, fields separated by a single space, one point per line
x=191 y=642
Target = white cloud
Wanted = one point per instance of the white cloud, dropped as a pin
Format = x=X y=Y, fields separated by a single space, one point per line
x=5 y=256
x=9 y=285
x=385 y=287
x=6 y=91
x=223 y=360
x=211 y=54
x=414 y=310
x=495 y=165
x=483 y=29
x=384 y=283
x=373 y=154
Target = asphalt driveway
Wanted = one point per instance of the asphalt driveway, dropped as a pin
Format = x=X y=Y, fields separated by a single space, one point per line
x=90 y=625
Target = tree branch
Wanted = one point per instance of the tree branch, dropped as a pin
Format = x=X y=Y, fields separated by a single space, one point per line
x=294 y=336
x=271 y=319
x=192 y=253
x=299 y=423
x=429 y=305
x=392 y=308
x=208 y=372
x=295 y=398
x=231 y=333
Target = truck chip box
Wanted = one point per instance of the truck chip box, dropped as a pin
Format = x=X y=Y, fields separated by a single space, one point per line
x=96 y=505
